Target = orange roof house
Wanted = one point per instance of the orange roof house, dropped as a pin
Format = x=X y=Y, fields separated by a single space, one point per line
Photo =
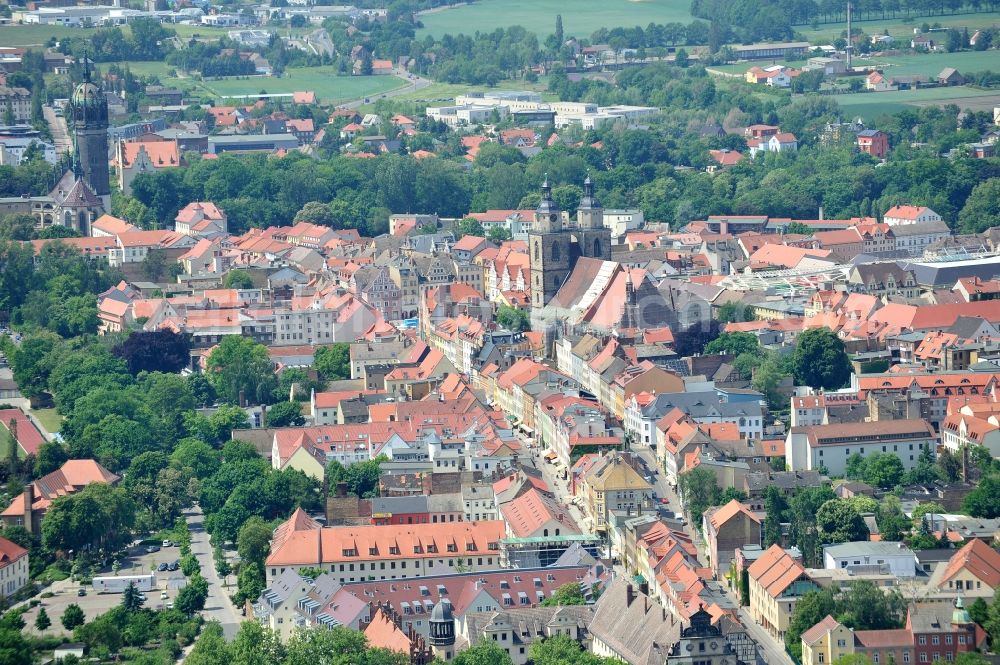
x=28 y=508
x=973 y=570
x=777 y=581
x=300 y=543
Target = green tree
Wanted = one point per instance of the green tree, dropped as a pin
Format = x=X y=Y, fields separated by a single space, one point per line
x=798 y=228
x=285 y=414
x=883 y=470
x=333 y=362
x=256 y=644
x=734 y=312
x=840 y=522
x=984 y=500
x=855 y=467
x=469 y=226
x=698 y=488
x=14 y=649
x=131 y=600
x=154 y=265
x=237 y=279
x=735 y=343
x=201 y=458
x=239 y=366
x=567 y=594
x=775 y=507
x=72 y=617
x=819 y=360
x=42 y=621
x=254 y=541
x=513 y=318
x=812 y=608
x=210 y=648
x=979 y=611
x=51 y=456
x=192 y=597
x=892 y=523
x=982 y=207
x=484 y=653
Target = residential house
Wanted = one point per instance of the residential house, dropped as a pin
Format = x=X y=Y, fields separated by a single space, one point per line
x=909 y=214
x=873 y=142
x=28 y=508
x=200 y=218
x=14 y=574
x=354 y=554
x=829 y=446
x=613 y=483
x=973 y=571
x=777 y=582
x=726 y=529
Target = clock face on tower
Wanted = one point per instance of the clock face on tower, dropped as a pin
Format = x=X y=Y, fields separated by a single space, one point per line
x=553 y=218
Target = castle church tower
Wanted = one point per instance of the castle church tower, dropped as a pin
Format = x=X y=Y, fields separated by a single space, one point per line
x=90 y=124
x=551 y=253
x=593 y=240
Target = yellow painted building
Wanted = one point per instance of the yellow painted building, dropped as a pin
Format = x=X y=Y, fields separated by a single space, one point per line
x=826 y=642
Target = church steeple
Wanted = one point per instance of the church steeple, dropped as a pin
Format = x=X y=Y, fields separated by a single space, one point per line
x=548 y=217
x=90 y=125
x=590 y=213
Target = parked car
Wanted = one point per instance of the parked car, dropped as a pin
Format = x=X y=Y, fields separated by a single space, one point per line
x=162 y=567
x=167 y=543
x=172 y=566
x=163 y=595
x=664 y=500
x=81 y=592
x=152 y=548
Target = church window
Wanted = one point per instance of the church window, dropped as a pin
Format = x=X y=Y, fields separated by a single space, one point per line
x=536 y=251
x=597 y=247
x=556 y=253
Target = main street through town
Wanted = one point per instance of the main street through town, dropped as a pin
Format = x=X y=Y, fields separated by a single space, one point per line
x=218 y=607
x=773 y=650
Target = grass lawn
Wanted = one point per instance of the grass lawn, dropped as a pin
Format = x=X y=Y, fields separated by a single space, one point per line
x=870 y=105
x=328 y=86
x=49 y=418
x=930 y=64
x=35 y=35
x=901 y=27
x=580 y=17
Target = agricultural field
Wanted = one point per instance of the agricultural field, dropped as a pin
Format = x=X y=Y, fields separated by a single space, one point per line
x=580 y=18
x=38 y=35
x=870 y=105
x=901 y=27
x=328 y=86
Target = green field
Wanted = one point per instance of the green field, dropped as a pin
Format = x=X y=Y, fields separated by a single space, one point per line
x=900 y=27
x=580 y=17
x=49 y=418
x=35 y=35
x=328 y=86
x=930 y=64
x=870 y=105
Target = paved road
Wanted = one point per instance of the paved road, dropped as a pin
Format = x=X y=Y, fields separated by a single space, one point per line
x=218 y=607
x=774 y=650
x=413 y=82
x=319 y=41
x=60 y=133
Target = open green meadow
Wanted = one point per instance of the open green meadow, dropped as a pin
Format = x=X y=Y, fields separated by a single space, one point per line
x=38 y=35
x=324 y=81
x=870 y=105
x=901 y=27
x=580 y=17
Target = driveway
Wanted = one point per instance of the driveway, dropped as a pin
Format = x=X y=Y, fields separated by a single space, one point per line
x=60 y=132
x=218 y=607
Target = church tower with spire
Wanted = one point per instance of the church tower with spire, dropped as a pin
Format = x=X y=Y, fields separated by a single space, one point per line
x=592 y=238
x=550 y=249
x=90 y=126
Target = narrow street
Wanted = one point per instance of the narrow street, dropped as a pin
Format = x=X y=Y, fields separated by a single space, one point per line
x=773 y=650
x=218 y=607
x=60 y=132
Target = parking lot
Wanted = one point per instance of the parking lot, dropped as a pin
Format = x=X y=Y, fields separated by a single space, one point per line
x=93 y=604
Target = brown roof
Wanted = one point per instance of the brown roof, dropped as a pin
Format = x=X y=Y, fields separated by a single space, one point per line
x=723 y=514
x=820 y=629
x=775 y=570
x=312 y=546
x=977 y=558
x=820 y=434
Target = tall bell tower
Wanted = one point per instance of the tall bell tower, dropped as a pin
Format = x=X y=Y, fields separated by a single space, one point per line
x=551 y=254
x=90 y=124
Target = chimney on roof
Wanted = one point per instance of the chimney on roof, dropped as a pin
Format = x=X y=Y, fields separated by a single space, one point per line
x=629 y=594
x=29 y=498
